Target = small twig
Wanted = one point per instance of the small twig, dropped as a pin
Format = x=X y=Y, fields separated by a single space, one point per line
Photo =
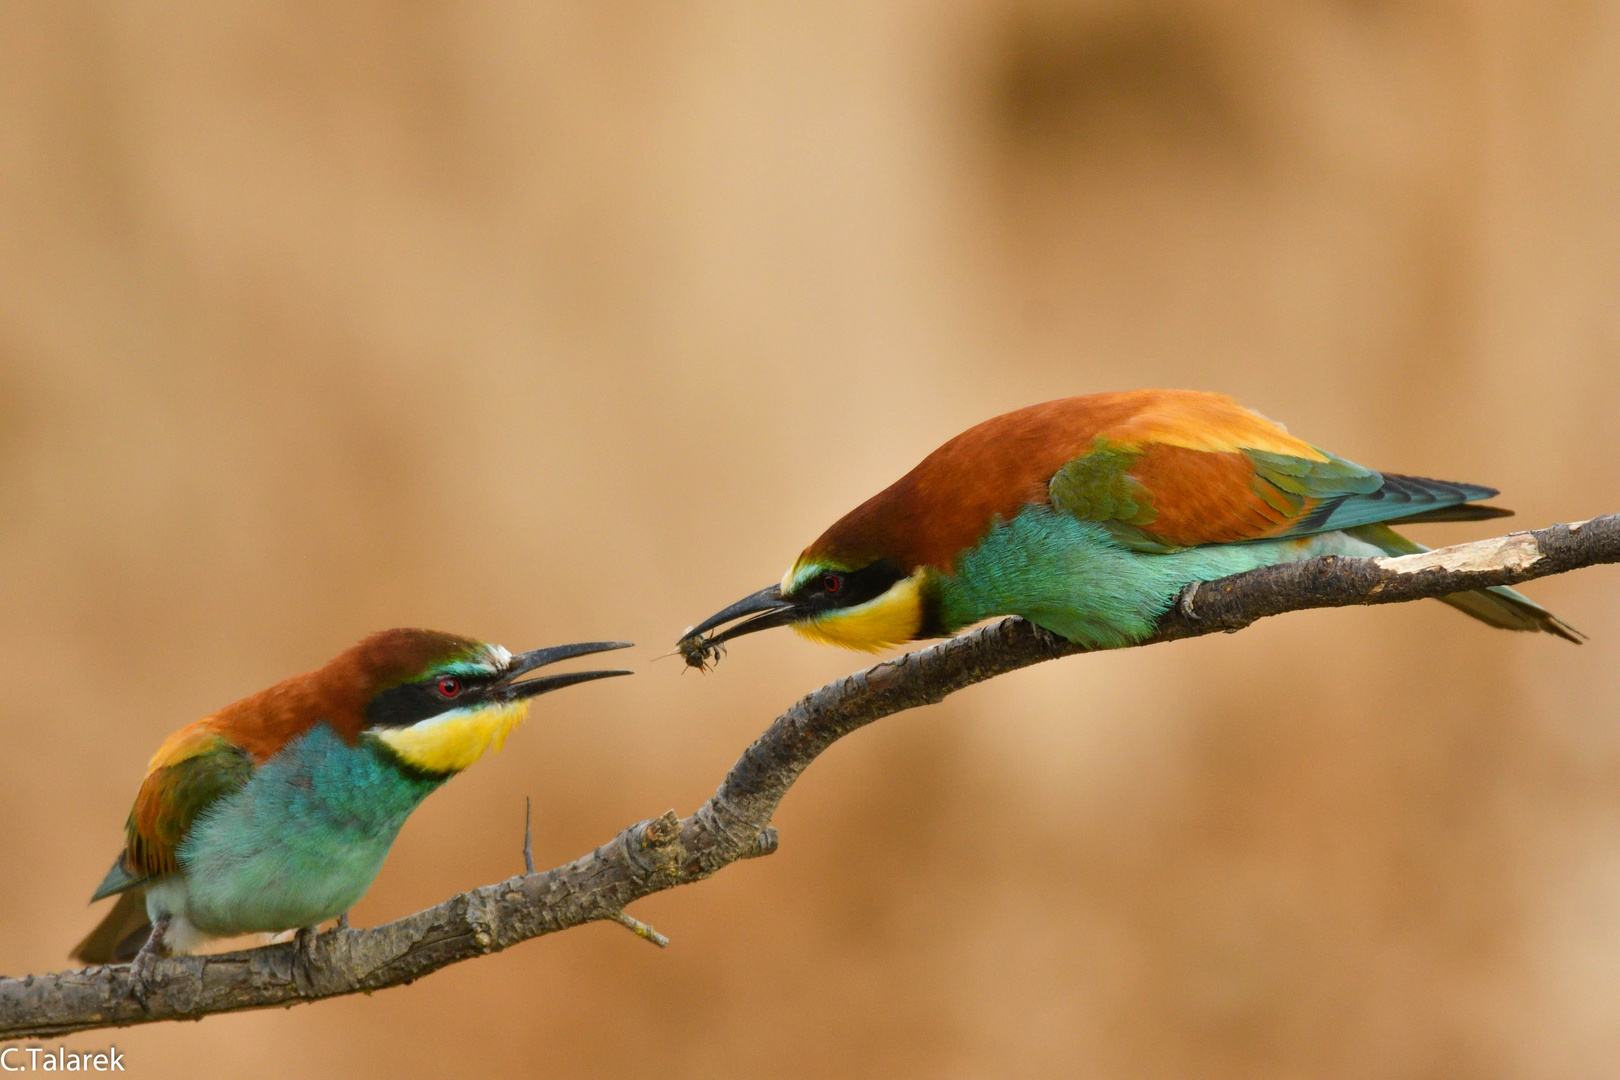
x=528 y=836
x=640 y=929
x=764 y=844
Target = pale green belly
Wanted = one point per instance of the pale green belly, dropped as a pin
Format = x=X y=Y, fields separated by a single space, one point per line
x=300 y=843
x=1072 y=578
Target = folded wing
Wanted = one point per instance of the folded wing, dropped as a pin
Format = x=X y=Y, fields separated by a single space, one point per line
x=1171 y=492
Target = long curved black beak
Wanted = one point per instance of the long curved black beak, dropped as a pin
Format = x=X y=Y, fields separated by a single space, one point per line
x=523 y=663
x=768 y=608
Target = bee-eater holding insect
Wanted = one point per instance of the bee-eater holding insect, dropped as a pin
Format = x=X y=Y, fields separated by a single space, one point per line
x=275 y=813
x=1088 y=516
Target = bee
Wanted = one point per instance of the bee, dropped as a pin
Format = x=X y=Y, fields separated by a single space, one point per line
x=700 y=652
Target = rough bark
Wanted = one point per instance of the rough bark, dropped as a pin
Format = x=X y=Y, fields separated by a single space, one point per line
x=735 y=824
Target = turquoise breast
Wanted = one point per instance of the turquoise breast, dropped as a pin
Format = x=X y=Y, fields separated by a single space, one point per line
x=302 y=840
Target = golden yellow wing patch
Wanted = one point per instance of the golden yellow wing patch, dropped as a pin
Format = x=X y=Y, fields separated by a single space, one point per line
x=1212 y=423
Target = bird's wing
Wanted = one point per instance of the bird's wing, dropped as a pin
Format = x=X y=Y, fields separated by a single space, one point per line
x=191 y=770
x=1167 y=490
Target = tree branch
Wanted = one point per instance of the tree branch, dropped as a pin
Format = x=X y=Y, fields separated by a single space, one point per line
x=735 y=824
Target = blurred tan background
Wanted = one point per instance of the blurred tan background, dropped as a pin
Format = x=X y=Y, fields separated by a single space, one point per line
x=552 y=322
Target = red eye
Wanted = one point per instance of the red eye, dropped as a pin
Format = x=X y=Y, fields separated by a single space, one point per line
x=449 y=687
x=832 y=582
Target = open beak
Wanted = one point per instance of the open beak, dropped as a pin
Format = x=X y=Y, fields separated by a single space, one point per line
x=523 y=663
x=767 y=607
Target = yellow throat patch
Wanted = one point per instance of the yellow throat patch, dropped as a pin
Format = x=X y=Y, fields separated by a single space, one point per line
x=892 y=618
x=453 y=740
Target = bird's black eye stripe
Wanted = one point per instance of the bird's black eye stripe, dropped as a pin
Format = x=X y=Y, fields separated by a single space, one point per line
x=412 y=702
x=847 y=588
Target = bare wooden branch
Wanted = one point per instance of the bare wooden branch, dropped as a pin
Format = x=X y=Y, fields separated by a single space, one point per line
x=667 y=851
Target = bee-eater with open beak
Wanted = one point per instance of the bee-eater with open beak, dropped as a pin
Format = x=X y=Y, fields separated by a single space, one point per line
x=1087 y=516
x=275 y=813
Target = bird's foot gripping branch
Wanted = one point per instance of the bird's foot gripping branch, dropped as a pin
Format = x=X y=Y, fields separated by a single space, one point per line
x=668 y=851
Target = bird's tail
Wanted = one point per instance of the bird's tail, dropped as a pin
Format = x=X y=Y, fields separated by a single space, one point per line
x=1497 y=605
x=120 y=935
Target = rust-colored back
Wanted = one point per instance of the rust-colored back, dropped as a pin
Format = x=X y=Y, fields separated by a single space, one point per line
x=996 y=468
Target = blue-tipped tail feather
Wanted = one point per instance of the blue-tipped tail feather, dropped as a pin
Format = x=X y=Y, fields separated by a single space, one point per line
x=118 y=880
x=1407 y=498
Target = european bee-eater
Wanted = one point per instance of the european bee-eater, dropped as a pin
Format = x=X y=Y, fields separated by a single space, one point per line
x=1087 y=516
x=275 y=813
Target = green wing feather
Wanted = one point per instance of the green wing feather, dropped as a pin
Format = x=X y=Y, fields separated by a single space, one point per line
x=1395 y=497
x=1243 y=496
x=119 y=879
x=194 y=768
x=1098 y=486
x=1299 y=479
